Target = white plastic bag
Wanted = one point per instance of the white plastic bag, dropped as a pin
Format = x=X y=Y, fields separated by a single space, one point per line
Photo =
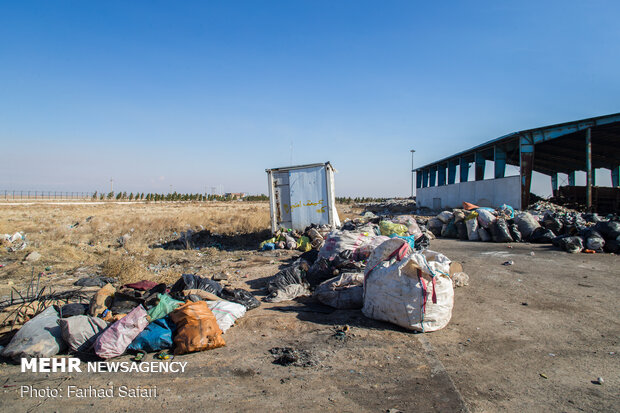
x=226 y=313
x=39 y=337
x=415 y=292
x=344 y=291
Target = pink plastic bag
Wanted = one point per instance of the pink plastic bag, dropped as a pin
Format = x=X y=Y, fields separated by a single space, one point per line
x=115 y=339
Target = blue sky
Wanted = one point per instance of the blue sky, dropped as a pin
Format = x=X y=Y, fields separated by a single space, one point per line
x=207 y=94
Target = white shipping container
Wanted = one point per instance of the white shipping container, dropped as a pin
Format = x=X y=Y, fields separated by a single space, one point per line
x=302 y=195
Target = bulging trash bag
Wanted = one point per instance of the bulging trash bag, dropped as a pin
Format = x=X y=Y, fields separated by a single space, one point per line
x=345 y=291
x=240 y=296
x=412 y=226
x=389 y=228
x=72 y=309
x=445 y=216
x=571 y=244
x=156 y=336
x=499 y=231
x=434 y=225
x=39 y=337
x=449 y=230
x=610 y=230
x=471 y=223
x=165 y=306
x=542 y=236
x=484 y=235
x=414 y=292
x=197 y=328
x=338 y=241
x=366 y=248
x=115 y=339
x=459 y=215
x=288 y=284
x=304 y=244
x=595 y=241
x=485 y=217
x=226 y=313
x=526 y=223
x=553 y=224
x=612 y=246
x=507 y=210
x=80 y=331
x=515 y=233
x=191 y=282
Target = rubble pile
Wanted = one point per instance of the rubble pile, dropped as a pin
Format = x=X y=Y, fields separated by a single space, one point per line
x=543 y=223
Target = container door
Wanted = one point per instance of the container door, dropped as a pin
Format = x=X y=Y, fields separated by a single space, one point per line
x=308 y=200
x=282 y=199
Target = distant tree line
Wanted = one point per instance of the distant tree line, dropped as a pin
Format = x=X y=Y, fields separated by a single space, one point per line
x=358 y=200
x=174 y=196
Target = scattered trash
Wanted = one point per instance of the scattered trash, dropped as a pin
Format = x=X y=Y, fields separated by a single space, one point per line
x=287 y=356
x=94 y=281
x=598 y=381
x=33 y=257
x=511 y=262
x=543 y=375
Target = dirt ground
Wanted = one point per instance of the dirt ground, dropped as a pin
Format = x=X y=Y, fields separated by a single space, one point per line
x=526 y=337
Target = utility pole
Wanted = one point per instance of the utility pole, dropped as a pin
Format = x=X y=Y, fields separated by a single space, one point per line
x=111 y=185
x=412 y=172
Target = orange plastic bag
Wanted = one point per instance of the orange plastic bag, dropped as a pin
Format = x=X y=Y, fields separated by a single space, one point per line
x=468 y=207
x=197 y=328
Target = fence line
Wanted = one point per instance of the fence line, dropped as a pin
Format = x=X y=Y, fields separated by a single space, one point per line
x=19 y=195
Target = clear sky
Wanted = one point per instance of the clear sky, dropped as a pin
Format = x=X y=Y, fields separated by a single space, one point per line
x=209 y=93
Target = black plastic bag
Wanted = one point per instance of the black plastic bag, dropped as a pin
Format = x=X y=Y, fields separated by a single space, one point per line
x=612 y=246
x=69 y=310
x=571 y=244
x=310 y=256
x=192 y=282
x=422 y=242
x=499 y=231
x=542 y=236
x=515 y=233
x=449 y=230
x=94 y=281
x=553 y=224
x=461 y=229
x=609 y=230
x=240 y=296
x=595 y=241
x=293 y=274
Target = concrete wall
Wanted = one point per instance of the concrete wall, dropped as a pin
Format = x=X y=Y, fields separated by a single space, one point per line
x=490 y=192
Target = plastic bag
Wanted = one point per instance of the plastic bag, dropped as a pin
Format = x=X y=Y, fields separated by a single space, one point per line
x=445 y=216
x=507 y=210
x=69 y=310
x=573 y=245
x=609 y=230
x=595 y=242
x=240 y=296
x=102 y=300
x=39 y=337
x=165 y=306
x=459 y=215
x=345 y=291
x=484 y=235
x=612 y=246
x=226 y=313
x=515 y=233
x=197 y=328
x=435 y=225
x=461 y=229
x=471 y=223
x=409 y=221
x=304 y=244
x=389 y=228
x=542 y=236
x=262 y=245
x=80 y=331
x=113 y=341
x=156 y=336
x=337 y=242
x=288 y=284
x=485 y=217
x=414 y=292
x=526 y=223
x=191 y=282
x=499 y=231
x=449 y=230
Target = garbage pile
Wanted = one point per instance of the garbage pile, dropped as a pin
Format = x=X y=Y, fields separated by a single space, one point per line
x=189 y=316
x=543 y=223
x=371 y=265
x=391 y=207
x=15 y=242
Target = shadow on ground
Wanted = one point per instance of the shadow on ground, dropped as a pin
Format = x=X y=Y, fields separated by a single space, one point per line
x=205 y=239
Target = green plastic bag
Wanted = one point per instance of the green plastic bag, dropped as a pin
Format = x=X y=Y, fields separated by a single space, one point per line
x=389 y=228
x=165 y=306
x=304 y=244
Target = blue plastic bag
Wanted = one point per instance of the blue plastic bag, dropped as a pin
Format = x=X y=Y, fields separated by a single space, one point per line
x=155 y=337
x=410 y=239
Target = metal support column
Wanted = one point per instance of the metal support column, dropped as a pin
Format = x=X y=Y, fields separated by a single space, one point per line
x=480 y=164
x=554 y=183
x=615 y=176
x=451 y=172
x=425 y=175
x=571 y=178
x=589 y=169
x=418 y=178
x=464 y=170
x=527 y=163
x=499 y=159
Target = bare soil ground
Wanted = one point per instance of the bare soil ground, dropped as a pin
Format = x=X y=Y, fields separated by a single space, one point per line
x=527 y=337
